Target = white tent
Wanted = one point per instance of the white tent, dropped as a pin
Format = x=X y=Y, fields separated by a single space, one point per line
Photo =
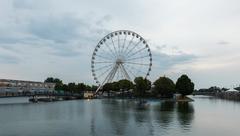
x=232 y=90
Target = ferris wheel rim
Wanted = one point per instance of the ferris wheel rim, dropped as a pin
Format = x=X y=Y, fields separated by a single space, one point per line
x=110 y=35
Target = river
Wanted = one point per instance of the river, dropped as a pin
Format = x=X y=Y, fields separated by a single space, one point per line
x=110 y=117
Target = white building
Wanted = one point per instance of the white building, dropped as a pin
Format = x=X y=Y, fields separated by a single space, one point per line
x=19 y=86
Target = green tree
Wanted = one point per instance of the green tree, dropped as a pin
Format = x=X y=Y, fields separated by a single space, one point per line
x=115 y=86
x=164 y=86
x=125 y=84
x=237 y=88
x=88 y=88
x=58 y=83
x=80 y=87
x=94 y=88
x=107 y=87
x=72 y=87
x=184 y=85
x=65 y=88
x=141 y=85
x=49 y=80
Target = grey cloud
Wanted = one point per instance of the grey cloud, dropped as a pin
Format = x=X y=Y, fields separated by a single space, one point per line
x=161 y=47
x=64 y=51
x=7 y=59
x=21 y=4
x=165 y=61
x=63 y=34
x=57 y=29
x=223 y=43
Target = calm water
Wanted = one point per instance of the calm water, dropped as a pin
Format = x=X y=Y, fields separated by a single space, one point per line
x=205 y=116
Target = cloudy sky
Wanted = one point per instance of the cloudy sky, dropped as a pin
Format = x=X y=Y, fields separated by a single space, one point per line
x=56 y=38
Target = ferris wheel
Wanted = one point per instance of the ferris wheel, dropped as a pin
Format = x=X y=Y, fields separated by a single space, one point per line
x=120 y=55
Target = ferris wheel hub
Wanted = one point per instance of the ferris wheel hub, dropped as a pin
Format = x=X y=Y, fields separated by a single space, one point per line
x=119 y=61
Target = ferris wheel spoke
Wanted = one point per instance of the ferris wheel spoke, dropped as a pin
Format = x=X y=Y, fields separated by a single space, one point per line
x=103 y=67
x=103 y=57
x=137 y=58
x=123 y=44
x=135 y=45
x=134 y=63
x=118 y=76
x=136 y=69
x=128 y=46
x=125 y=72
x=122 y=73
x=138 y=51
x=103 y=62
x=114 y=46
x=112 y=52
x=130 y=71
x=112 y=73
x=109 y=53
x=103 y=73
x=118 y=46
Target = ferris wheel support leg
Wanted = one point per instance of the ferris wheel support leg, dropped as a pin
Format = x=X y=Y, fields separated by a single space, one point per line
x=108 y=78
x=113 y=72
x=125 y=72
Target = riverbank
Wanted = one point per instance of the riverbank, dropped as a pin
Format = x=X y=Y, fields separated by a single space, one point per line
x=178 y=99
x=235 y=96
x=53 y=98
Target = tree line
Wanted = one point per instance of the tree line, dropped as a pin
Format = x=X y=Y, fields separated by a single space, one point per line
x=140 y=87
x=162 y=87
x=70 y=87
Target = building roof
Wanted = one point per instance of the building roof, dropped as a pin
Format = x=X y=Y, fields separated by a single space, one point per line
x=13 y=80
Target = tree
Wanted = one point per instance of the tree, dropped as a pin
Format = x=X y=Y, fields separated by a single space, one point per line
x=115 y=86
x=88 y=88
x=164 y=86
x=184 y=85
x=141 y=85
x=80 y=87
x=71 y=87
x=49 y=80
x=107 y=87
x=58 y=83
x=237 y=88
x=125 y=84
x=94 y=88
x=65 y=88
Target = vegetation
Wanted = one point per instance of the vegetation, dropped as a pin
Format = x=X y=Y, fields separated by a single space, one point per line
x=58 y=82
x=117 y=86
x=164 y=87
x=70 y=87
x=184 y=85
x=141 y=85
x=237 y=88
x=125 y=84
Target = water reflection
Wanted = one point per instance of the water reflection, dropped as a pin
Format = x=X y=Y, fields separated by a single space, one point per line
x=167 y=106
x=185 y=114
x=93 y=122
x=118 y=114
x=158 y=117
x=164 y=113
x=120 y=117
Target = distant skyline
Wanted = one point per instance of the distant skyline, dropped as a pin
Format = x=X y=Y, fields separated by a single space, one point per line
x=56 y=38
